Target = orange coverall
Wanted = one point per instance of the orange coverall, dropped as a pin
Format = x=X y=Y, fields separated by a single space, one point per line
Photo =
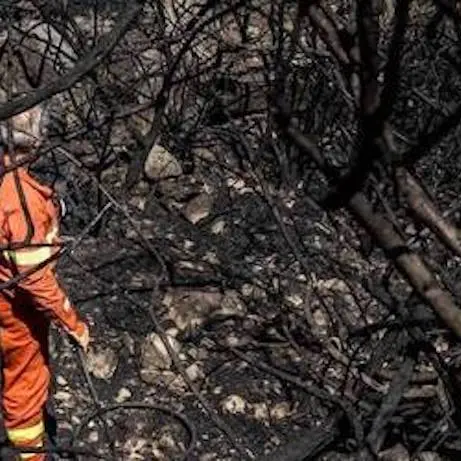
x=26 y=309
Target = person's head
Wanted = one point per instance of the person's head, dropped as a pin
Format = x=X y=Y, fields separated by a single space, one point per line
x=26 y=128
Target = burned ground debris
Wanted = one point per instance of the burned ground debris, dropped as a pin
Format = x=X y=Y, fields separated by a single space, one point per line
x=262 y=223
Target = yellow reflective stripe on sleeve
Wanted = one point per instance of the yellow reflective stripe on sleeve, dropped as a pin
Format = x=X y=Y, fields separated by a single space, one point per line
x=26 y=434
x=28 y=257
x=67 y=305
x=52 y=234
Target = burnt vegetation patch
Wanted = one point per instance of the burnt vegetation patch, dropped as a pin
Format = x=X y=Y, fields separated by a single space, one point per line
x=262 y=224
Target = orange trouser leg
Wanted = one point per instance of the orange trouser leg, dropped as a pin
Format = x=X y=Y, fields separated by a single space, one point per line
x=26 y=378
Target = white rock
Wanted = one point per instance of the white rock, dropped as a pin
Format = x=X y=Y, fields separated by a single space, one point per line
x=123 y=395
x=280 y=411
x=173 y=332
x=177 y=385
x=61 y=381
x=233 y=404
x=194 y=372
x=138 y=202
x=295 y=299
x=161 y=164
x=211 y=257
x=102 y=363
x=260 y=411
x=134 y=449
x=93 y=437
x=167 y=441
x=188 y=244
x=199 y=208
x=63 y=396
x=232 y=340
x=154 y=354
x=236 y=184
x=218 y=227
x=320 y=318
x=333 y=284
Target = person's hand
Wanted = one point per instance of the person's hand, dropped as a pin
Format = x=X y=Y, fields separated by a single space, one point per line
x=82 y=339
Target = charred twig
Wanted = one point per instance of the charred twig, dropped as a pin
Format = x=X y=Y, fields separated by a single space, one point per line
x=389 y=405
x=409 y=263
x=310 y=389
x=375 y=105
x=426 y=211
x=94 y=58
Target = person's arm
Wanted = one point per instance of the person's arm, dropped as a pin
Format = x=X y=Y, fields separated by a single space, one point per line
x=41 y=285
x=50 y=298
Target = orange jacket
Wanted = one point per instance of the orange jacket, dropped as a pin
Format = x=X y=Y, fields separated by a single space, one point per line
x=42 y=285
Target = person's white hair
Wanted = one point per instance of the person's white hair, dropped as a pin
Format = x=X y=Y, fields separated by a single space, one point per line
x=26 y=127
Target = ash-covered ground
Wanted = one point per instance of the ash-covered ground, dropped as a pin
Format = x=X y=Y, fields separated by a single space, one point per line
x=219 y=285
x=325 y=339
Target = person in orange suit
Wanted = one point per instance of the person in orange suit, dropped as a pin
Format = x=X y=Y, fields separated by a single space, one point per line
x=29 y=236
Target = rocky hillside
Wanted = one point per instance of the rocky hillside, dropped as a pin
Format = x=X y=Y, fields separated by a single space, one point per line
x=215 y=159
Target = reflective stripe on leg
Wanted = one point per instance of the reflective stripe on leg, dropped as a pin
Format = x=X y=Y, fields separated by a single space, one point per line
x=26 y=435
x=29 y=257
